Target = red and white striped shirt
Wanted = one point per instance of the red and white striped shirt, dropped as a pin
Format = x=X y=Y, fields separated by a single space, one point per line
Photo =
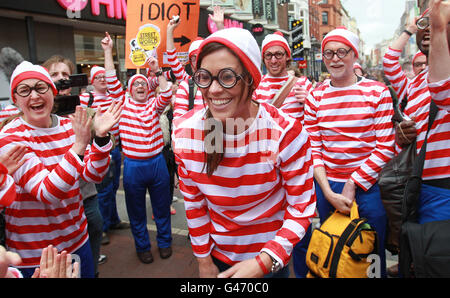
x=437 y=158
x=181 y=105
x=351 y=131
x=48 y=208
x=103 y=101
x=260 y=198
x=7 y=191
x=8 y=111
x=395 y=74
x=177 y=68
x=270 y=86
x=140 y=133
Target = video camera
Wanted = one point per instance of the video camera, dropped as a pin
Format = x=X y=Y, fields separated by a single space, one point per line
x=65 y=105
x=77 y=80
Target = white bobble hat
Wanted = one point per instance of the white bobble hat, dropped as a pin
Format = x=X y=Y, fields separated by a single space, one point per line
x=27 y=70
x=275 y=39
x=96 y=70
x=342 y=34
x=243 y=44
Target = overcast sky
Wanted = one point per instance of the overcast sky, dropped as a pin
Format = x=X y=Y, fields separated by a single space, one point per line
x=377 y=19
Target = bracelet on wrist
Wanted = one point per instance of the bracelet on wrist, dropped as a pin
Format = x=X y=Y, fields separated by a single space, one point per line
x=408 y=32
x=261 y=264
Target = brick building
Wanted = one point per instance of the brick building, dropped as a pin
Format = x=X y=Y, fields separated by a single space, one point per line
x=329 y=17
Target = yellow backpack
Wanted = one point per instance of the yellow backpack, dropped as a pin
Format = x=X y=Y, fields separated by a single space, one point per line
x=340 y=247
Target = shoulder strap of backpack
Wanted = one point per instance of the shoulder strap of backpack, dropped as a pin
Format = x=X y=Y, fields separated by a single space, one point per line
x=284 y=92
x=410 y=203
x=192 y=93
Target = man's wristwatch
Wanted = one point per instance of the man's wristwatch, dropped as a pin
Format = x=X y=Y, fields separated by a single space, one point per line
x=276 y=266
x=159 y=73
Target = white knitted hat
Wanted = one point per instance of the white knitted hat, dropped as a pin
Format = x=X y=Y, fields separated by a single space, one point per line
x=417 y=55
x=95 y=70
x=193 y=48
x=134 y=78
x=27 y=70
x=276 y=39
x=243 y=44
x=341 y=34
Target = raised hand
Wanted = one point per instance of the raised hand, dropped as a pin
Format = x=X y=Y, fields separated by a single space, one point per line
x=13 y=159
x=103 y=122
x=107 y=42
x=439 y=14
x=300 y=94
x=217 y=17
x=81 y=125
x=153 y=63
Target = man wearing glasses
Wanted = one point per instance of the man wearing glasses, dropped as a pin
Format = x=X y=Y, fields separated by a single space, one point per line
x=352 y=137
x=277 y=56
x=432 y=87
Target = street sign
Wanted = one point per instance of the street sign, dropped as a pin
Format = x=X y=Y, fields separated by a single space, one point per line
x=302 y=64
x=146 y=28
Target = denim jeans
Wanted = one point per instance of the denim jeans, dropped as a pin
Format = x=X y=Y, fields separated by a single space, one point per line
x=95 y=223
x=140 y=176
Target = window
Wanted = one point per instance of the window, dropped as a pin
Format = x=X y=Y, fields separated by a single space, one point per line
x=324 y=18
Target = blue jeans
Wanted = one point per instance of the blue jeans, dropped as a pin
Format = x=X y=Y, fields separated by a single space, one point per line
x=434 y=204
x=140 y=176
x=369 y=207
x=299 y=255
x=95 y=223
x=107 y=195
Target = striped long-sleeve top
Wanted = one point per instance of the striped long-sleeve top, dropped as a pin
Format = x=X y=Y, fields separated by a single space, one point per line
x=270 y=86
x=48 y=208
x=437 y=158
x=7 y=191
x=140 y=132
x=8 y=111
x=260 y=198
x=177 y=68
x=395 y=74
x=351 y=131
x=103 y=101
x=181 y=105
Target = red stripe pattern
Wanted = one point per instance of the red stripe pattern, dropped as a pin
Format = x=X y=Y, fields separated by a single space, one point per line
x=140 y=133
x=394 y=73
x=260 y=198
x=270 y=86
x=351 y=131
x=48 y=208
x=8 y=111
x=420 y=92
x=103 y=101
